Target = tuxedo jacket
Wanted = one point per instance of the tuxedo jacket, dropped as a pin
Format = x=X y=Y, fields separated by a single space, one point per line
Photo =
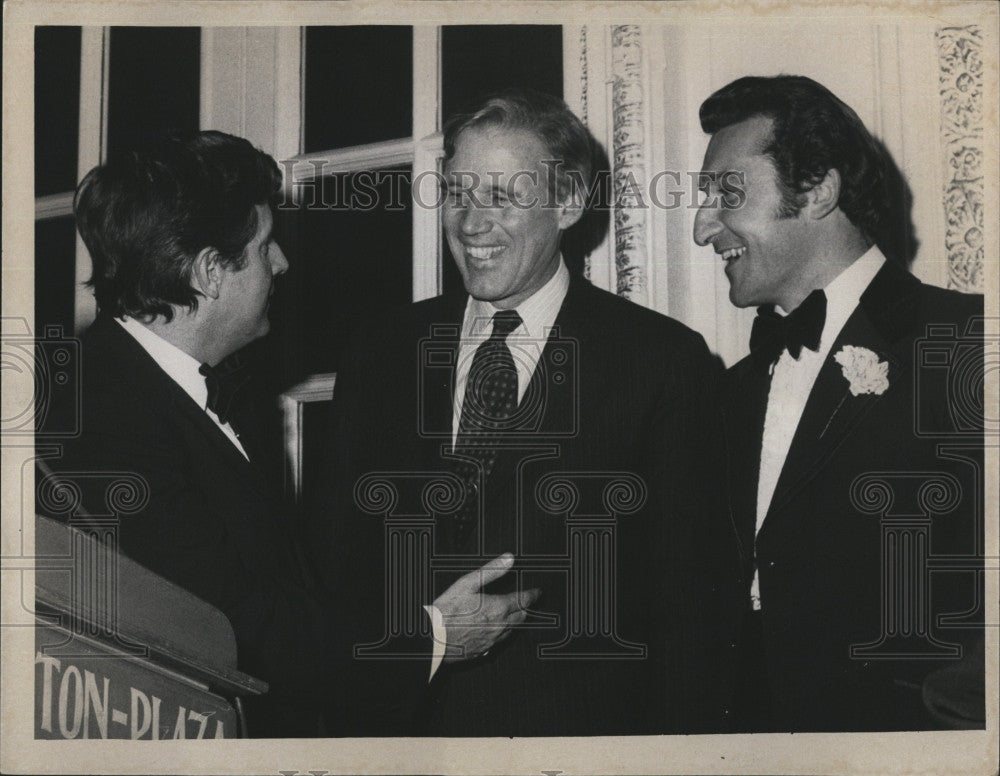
x=207 y=519
x=619 y=441
x=879 y=490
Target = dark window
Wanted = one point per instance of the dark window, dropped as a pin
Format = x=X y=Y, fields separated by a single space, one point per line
x=57 y=108
x=349 y=260
x=477 y=60
x=153 y=87
x=55 y=273
x=358 y=85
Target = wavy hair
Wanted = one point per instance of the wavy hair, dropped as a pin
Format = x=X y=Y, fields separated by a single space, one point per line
x=145 y=216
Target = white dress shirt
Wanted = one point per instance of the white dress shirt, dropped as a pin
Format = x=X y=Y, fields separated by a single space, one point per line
x=792 y=382
x=181 y=368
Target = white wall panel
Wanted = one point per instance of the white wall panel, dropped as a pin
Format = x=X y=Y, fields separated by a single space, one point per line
x=251 y=85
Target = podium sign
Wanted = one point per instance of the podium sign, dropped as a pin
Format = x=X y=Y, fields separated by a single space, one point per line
x=88 y=690
x=121 y=652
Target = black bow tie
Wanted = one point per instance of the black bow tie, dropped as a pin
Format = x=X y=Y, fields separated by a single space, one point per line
x=801 y=328
x=224 y=381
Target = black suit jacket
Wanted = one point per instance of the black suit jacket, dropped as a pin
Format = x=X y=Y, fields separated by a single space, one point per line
x=622 y=404
x=865 y=476
x=210 y=521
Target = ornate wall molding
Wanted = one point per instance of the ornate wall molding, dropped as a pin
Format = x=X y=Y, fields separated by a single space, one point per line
x=583 y=105
x=584 y=74
x=961 y=89
x=629 y=161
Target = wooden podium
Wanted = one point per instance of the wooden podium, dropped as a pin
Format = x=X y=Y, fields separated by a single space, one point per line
x=122 y=653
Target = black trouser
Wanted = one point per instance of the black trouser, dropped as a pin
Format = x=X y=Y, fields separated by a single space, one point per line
x=754 y=705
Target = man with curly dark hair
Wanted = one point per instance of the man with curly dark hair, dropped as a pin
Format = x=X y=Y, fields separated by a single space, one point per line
x=797 y=204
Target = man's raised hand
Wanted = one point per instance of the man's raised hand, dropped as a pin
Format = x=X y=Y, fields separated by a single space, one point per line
x=475 y=621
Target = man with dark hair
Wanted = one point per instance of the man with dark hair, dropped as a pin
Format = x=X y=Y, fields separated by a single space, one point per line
x=829 y=413
x=553 y=421
x=812 y=132
x=146 y=219
x=184 y=264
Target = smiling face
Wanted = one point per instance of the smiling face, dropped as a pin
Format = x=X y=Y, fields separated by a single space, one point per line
x=502 y=225
x=245 y=292
x=765 y=254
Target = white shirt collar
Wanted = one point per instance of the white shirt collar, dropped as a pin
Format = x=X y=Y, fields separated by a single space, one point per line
x=844 y=292
x=538 y=312
x=181 y=367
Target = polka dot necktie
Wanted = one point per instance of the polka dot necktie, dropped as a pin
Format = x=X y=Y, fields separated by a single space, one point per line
x=489 y=404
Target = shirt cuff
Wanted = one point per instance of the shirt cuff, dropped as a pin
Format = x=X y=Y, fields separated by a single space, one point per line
x=440 y=638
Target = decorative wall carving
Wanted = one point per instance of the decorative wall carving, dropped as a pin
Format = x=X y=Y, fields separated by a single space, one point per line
x=584 y=74
x=583 y=107
x=961 y=89
x=629 y=161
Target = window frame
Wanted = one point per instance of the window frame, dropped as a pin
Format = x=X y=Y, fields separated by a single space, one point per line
x=234 y=61
x=94 y=53
x=423 y=150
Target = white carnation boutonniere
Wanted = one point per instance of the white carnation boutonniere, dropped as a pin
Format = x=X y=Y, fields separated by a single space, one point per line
x=863 y=370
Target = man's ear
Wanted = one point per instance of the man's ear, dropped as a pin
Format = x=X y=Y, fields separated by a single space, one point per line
x=206 y=273
x=571 y=207
x=822 y=198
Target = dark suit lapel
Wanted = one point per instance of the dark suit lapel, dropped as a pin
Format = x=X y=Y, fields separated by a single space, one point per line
x=438 y=387
x=832 y=412
x=247 y=424
x=184 y=406
x=436 y=371
x=131 y=355
x=744 y=409
x=560 y=356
